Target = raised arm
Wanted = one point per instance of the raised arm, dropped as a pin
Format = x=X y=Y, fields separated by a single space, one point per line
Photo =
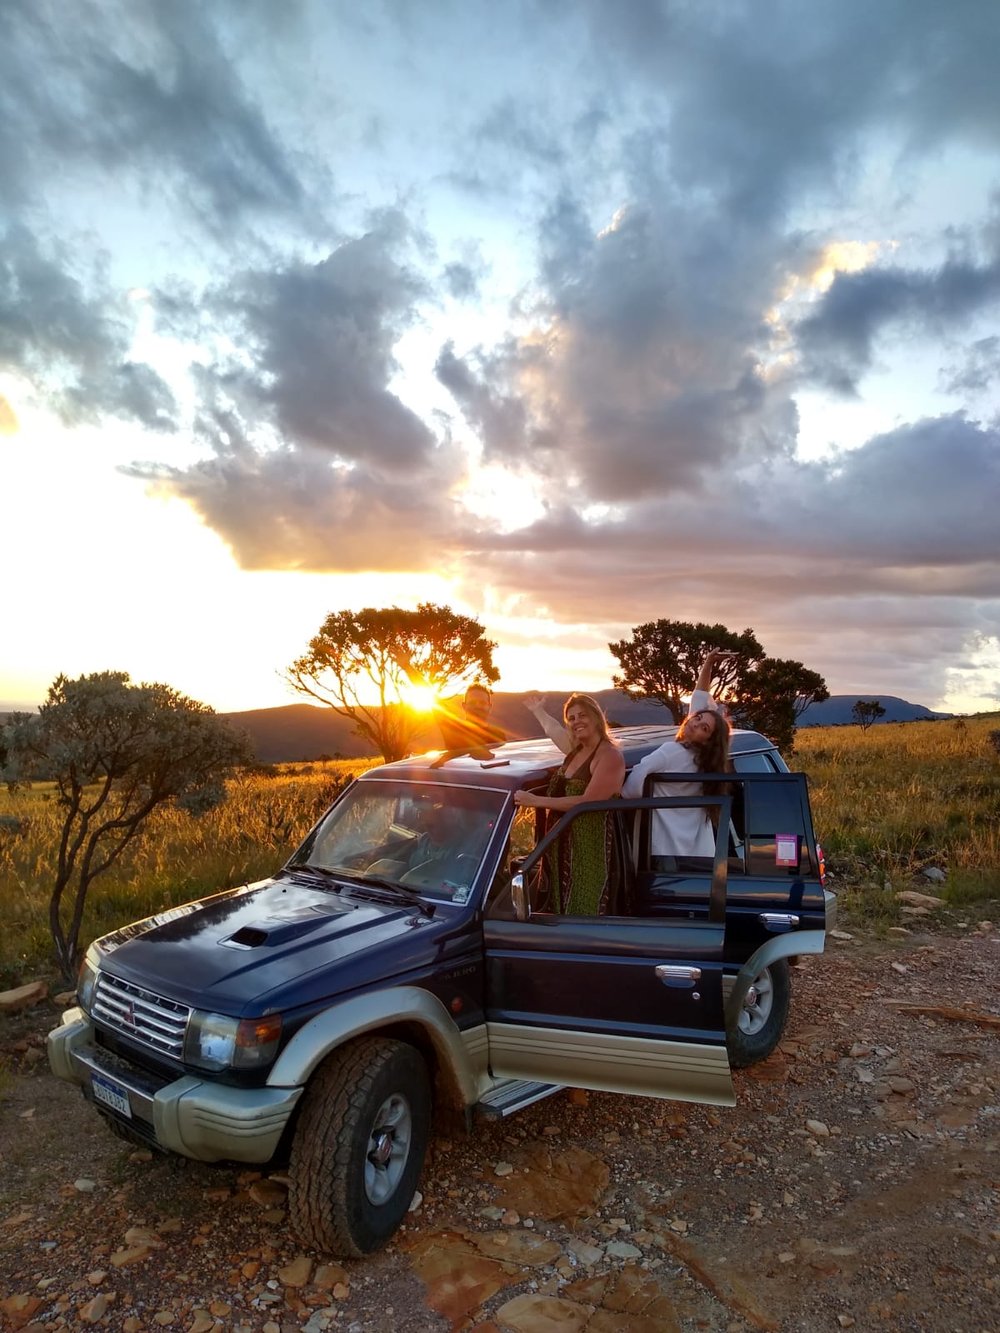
x=553 y=728
x=607 y=772
x=703 y=685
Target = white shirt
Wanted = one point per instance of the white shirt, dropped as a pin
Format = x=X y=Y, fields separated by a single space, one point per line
x=679 y=832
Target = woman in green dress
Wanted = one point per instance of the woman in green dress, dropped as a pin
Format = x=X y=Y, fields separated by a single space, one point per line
x=593 y=770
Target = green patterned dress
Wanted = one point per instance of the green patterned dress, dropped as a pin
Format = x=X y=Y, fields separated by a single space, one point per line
x=578 y=863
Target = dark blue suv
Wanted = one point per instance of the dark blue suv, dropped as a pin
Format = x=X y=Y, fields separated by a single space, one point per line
x=398 y=965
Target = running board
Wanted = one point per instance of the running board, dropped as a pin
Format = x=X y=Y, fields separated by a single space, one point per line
x=512 y=1095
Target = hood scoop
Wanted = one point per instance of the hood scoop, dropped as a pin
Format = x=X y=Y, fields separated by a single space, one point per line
x=247 y=937
x=279 y=929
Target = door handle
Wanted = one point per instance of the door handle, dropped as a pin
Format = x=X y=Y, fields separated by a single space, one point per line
x=778 y=920
x=675 y=974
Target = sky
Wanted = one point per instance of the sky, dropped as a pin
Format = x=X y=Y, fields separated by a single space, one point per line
x=570 y=314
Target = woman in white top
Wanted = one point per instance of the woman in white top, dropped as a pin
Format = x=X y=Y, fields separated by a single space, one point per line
x=700 y=746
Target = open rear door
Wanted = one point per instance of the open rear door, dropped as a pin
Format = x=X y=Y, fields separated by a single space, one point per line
x=614 y=1003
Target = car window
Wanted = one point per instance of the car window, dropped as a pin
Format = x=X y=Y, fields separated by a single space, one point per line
x=522 y=838
x=757 y=762
x=607 y=895
x=430 y=836
x=640 y=834
x=775 y=828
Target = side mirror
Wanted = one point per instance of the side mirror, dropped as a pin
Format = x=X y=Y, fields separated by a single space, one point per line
x=519 y=897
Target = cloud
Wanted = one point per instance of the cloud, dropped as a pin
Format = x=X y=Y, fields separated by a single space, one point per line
x=138 y=106
x=921 y=497
x=314 y=348
x=766 y=104
x=8 y=418
x=645 y=372
x=980 y=369
x=462 y=277
x=643 y=185
x=652 y=364
x=138 y=88
x=315 y=462
x=520 y=132
x=70 y=337
x=837 y=340
x=886 y=554
x=293 y=507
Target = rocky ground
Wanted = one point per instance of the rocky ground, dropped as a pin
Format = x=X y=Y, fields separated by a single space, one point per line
x=855 y=1185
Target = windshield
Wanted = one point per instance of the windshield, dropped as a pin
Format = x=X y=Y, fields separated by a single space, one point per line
x=427 y=837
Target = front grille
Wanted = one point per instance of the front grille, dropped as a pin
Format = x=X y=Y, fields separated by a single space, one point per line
x=141 y=1015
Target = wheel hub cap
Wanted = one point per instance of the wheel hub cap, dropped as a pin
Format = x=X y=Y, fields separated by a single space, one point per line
x=757 y=1004
x=389 y=1142
x=383 y=1149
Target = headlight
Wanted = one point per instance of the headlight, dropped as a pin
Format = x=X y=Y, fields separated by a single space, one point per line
x=86 y=981
x=214 y=1041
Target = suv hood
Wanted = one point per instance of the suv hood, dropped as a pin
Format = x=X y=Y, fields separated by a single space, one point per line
x=239 y=952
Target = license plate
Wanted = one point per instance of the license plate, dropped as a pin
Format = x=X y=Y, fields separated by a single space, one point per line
x=111 y=1094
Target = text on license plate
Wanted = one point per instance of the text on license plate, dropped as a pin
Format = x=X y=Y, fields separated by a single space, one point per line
x=111 y=1094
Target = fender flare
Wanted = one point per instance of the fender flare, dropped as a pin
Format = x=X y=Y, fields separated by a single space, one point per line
x=361 y=1014
x=782 y=946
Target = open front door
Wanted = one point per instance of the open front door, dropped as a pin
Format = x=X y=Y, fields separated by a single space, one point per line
x=615 y=1003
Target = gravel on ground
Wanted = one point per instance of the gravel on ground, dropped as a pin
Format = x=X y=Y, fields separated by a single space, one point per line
x=854 y=1185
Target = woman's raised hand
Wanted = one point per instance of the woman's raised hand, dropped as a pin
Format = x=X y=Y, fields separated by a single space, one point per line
x=533 y=700
x=709 y=664
x=717 y=655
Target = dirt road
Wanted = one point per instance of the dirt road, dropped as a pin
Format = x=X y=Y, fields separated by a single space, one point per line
x=856 y=1184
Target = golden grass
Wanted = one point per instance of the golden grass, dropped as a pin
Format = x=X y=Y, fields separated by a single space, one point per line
x=886 y=802
x=899 y=797
x=177 y=858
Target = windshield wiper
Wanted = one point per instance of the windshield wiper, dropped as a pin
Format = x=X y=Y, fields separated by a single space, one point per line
x=390 y=886
x=308 y=868
x=355 y=882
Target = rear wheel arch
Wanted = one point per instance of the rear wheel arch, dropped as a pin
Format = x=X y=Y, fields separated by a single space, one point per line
x=770 y=964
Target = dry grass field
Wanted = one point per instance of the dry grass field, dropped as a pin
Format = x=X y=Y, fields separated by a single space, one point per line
x=887 y=802
x=177 y=858
x=900 y=797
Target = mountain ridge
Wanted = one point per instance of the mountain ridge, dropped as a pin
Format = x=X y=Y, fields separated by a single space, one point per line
x=300 y=732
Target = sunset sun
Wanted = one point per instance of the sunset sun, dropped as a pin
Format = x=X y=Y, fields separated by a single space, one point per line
x=421 y=698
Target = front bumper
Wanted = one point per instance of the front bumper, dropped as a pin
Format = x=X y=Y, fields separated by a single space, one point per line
x=211 y=1122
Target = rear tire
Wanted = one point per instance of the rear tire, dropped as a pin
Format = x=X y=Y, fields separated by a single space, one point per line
x=762 y=1020
x=359 y=1146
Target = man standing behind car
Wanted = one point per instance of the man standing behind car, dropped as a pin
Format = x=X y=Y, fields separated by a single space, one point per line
x=471 y=731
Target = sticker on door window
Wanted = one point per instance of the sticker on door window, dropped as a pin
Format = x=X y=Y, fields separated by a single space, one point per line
x=786 y=849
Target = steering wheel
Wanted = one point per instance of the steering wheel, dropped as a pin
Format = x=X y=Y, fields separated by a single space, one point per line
x=458 y=870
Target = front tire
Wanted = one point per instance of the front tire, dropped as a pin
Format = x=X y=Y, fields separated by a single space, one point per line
x=762 y=1016
x=359 y=1146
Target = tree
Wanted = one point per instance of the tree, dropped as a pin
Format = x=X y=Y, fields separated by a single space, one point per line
x=867 y=711
x=774 y=694
x=115 y=752
x=662 y=658
x=378 y=653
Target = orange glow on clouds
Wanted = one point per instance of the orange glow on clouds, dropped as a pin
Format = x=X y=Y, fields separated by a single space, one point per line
x=842 y=257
